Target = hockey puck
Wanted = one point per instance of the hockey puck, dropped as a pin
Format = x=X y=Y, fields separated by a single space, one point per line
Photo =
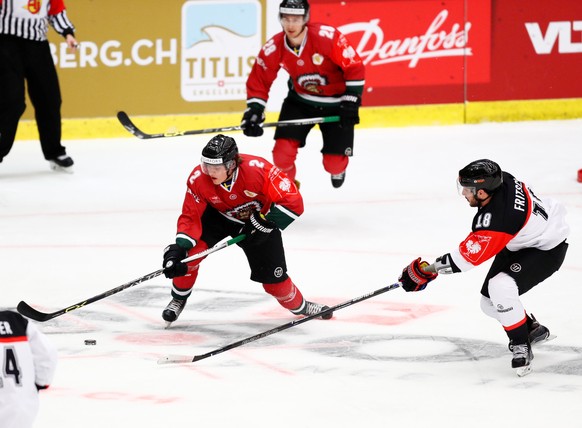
x=90 y=342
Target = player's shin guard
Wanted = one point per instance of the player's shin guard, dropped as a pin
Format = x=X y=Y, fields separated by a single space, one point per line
x=182 y=285
x=284 y=155
x=335 y=164
x=286 y=293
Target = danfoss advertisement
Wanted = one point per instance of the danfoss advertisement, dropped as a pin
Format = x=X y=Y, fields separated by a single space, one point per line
x=194 y=56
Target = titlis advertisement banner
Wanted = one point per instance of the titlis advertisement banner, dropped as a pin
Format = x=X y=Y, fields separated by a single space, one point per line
x=218 y=48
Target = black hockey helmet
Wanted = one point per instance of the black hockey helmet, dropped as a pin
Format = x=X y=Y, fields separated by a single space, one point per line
x=294 y=7
x=220 y=150
x=481 y=174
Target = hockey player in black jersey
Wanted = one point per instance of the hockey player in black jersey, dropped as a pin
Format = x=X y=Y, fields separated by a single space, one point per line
x=526 y=234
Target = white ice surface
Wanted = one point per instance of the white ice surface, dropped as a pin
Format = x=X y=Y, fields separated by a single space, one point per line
x=396 y=360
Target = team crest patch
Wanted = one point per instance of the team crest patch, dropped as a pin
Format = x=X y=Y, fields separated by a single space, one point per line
x=250 y=194
x=474 y=247
x=285 y=185
x=317 y=59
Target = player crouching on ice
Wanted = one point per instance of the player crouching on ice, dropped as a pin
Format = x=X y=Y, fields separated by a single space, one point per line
x=526 y=234
x=229 y=194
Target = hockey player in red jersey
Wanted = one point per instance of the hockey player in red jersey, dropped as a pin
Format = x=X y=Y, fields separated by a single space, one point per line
x=326 y=78
x=29 y=362
x=526 y=234
x=229 y=194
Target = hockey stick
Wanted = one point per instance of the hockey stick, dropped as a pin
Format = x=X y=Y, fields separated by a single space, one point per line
x=29 y=312
x=131 y=127
x=168 y=359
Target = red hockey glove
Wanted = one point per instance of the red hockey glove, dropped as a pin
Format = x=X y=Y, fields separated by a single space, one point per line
x=413 y=278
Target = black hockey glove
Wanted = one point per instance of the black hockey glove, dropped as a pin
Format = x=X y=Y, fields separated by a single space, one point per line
x=414 y=278
x=348 y=110
x=253 y=116
x=257 y=229
x=173 y=255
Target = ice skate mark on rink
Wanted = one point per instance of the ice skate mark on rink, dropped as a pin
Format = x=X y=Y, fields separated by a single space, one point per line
x=105 y=395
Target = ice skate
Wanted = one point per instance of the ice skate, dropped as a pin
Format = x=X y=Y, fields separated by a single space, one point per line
x=63 y=163
x=310 y=308
x=173 y=311
x=538 y=334
x=522 y=358
x=338 y=179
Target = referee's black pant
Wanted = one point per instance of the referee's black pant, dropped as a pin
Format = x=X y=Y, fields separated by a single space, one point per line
x=26 y=60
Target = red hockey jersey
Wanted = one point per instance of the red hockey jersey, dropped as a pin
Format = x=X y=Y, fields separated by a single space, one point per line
x=257 y=185
x=325 y=67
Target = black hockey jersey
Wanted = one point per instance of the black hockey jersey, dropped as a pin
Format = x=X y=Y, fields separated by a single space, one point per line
x=514 y=218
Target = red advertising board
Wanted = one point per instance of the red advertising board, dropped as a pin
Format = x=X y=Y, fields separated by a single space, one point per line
x=451 y=51
x=536 y=51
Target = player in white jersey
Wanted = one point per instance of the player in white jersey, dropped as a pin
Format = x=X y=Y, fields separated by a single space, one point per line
x=526 y=234
x=28 y=362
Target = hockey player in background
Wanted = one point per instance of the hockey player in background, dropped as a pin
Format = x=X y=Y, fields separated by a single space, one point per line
x=28 y=362
x=526 y=234
x=326 y=78
x=230 y=194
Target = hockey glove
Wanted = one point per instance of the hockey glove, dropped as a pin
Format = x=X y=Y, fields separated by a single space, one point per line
x=257 y=229
x=173 y=256
x=348 y=110
x=414 y=278
x=253 y=116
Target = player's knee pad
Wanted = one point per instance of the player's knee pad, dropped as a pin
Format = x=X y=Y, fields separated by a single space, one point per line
x=335 y=164
x=285 y=153
x=488 y=308
x=505 y=299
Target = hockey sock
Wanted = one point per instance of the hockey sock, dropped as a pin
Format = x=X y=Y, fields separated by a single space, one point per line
x=286 y=293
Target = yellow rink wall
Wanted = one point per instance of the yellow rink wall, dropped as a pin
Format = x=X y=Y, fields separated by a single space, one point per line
x=371 y=117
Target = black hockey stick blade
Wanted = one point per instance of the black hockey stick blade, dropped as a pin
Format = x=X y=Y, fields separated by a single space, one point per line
x=169 y=359
x=131 y=127
x=29 y=312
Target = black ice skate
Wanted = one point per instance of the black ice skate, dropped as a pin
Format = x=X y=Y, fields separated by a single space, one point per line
x=338 y=179
x=63 y=163
x=537 y=333
x=522 y=358
x=173 y=310
x=310 y=308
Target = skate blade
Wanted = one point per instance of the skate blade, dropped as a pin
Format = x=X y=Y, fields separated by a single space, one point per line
x=541 y=342
x=168 y=324
x=58 y=168
x=524 y=371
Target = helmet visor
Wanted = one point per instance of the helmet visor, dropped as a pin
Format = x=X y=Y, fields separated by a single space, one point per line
x=465 y=190
x=210 y=164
